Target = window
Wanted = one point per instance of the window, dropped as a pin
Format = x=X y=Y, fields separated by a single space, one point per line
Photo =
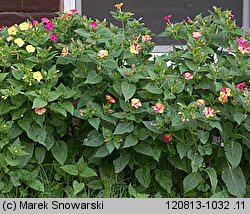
x=153 y=11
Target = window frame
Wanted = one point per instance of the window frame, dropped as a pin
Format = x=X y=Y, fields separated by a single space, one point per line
x=77 y=4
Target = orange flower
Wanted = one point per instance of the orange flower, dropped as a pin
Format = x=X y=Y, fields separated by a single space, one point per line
x=110 y=99
x=40 y=111
x=65 y=51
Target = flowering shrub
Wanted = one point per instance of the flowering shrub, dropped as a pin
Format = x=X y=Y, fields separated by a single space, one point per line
x=81 y=101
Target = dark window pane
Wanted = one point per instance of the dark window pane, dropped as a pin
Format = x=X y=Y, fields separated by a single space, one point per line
x=153 y=11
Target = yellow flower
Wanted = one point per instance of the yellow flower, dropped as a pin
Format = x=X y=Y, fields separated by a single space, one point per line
x=118 y=6
x=12 y=30
x=30 y=48
x=37 y=76
x=19 y=42
x=24 y=26
x=9 y=38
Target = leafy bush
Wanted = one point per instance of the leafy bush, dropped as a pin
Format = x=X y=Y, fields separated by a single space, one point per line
x=86 y=109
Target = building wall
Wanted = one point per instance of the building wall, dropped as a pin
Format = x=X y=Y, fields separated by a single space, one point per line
x=17 y=11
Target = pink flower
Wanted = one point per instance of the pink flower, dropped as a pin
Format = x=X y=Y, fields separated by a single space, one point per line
x=188 y=75
x=167 y=137
x=167 y=18
x=45 y=20
x=40 y=111
x=103 y=53
x=53 y=37
x=93 y=25
x=135 y=49
x=1 y=28
x=136 y=103
x=158 y=108
x=146 y=38
x=35 y=22
x=197 y=35
x=243 y=47
x=241 y=86
x=49 y=26
x=208 y=112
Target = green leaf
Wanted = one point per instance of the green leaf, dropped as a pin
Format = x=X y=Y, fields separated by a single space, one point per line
x=164 y=178
x=215 y=124
x=94 y=139
x=153 y=88
x=123 y=128
x=93 y=78
x=239 y=117
x=190 y=64
x=128 y=90
x=196 y=162
x=130 y=140
x=37 y=185
x=58 y=109
x=95 y=122
x=233 y=152
x=77 y=187
x=53 y=95
x=37 y=133
x=68 y=106
x=191 y=181
x=213 y=178
x=102 y=152
x=203 y=136
x=95 y=184
x=183 y=148
x=3 y=76
x=70 y=169
x=132 y=192
x=121 y=162
x=235 y=181
x=144 y=177
x=87 y=172
x=40 y=153
x=150 y=125
x=60 y=151
x=39 y=103
x=144 y=148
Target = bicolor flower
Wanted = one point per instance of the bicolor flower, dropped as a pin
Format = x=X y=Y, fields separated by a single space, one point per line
x=12 y=30
x=136 y=103
x=197 y=35
x=40 y=111
x=224 y=94
x=110 y=99
x=135 y=48
x=158 y=108
x=103 y=53
x=188 y=75
x=208 y=112
x=167 y=18
x=24 y=26
x=146 y=38
x=19 y=42
x=200 y=102
x=30 y=48
x=65 y=51
x=93 y=25
x=167 y=138
x=37 y=76
x=243 y=47
x=53 y=37
x=49 y=26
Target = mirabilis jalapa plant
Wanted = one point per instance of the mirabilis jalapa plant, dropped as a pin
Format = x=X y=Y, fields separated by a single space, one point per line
x=81 y=99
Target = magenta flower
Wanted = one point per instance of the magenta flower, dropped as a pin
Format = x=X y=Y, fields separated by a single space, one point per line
x=188 y=76
x=167 y=138
x=167 y=18
x=93 y=25
x=197 y=35
x=35 y=22
x=45 y=20
x=49 y=26
x=53 y=37
x=241 y=86
x=243 y=47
